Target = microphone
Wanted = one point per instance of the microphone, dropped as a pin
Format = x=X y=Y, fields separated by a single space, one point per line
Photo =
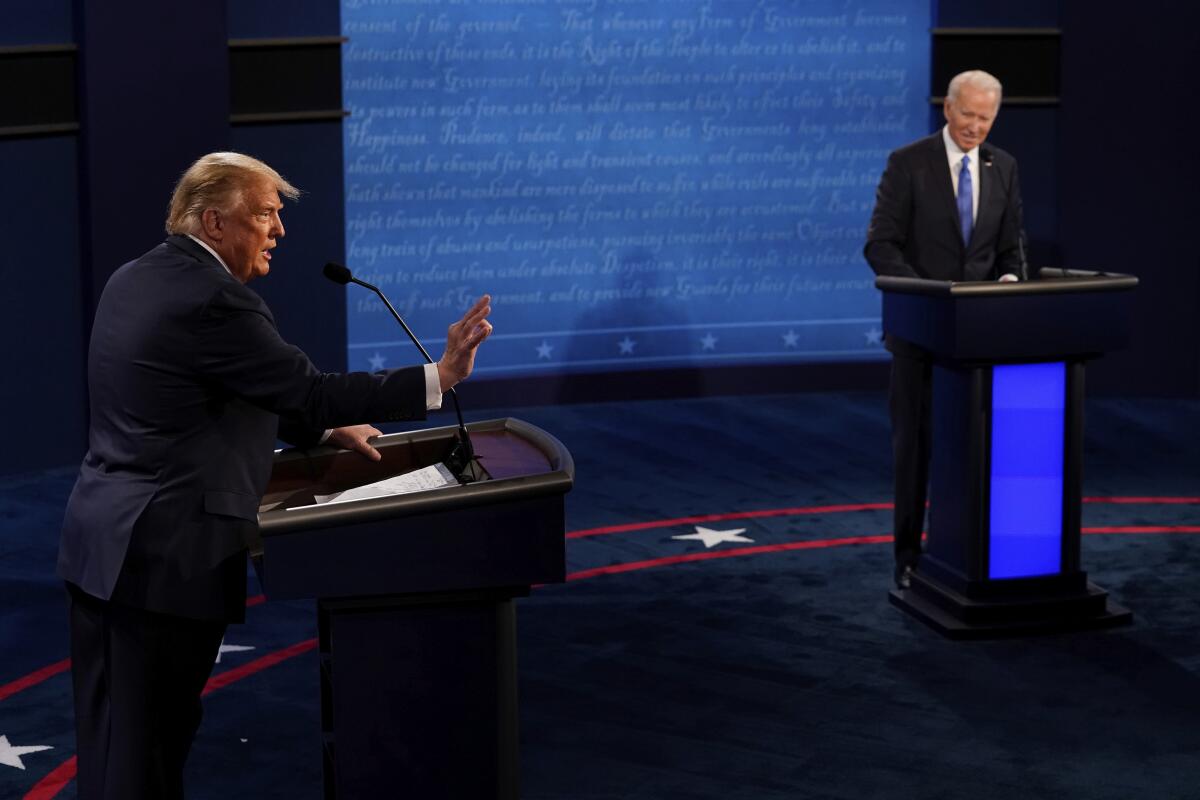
x=462 y=457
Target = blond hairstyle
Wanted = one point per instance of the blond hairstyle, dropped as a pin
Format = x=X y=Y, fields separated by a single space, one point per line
x=984 y=81
x=218 y=180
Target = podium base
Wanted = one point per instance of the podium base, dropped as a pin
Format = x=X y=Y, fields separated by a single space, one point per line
x=959 y=617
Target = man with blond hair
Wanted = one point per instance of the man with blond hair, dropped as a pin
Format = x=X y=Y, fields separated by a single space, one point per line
x=948 y=207
x=190 y=385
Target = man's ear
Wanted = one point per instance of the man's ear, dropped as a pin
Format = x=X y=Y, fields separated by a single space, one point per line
x=212 y=223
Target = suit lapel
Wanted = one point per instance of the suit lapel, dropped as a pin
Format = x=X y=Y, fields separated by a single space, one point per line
x=939 y=166
x=988 y=189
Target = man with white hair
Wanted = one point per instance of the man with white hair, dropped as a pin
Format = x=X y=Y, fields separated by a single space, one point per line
x=948 y=207
x=190 y=384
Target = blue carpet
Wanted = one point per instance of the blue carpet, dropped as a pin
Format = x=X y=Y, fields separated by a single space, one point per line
x=754 y=674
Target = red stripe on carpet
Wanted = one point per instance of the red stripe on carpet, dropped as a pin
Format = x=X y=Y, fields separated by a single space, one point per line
x=37 y=676
x=835 y=509
x=815 y=544
x=1148 y=501
x=766 y=512
x=257 y=665
x=53 y=783
x=34 y=678
x=64 y=773
x=1144 y=529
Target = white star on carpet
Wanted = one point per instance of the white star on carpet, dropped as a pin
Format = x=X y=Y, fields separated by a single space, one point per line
x=713 y=538
x=790 y=339
x=10 y=756
x=230 y=648
x=626 y=346
x=377 y=361
x=874 y=336
x=543 y=349
x=709 y=342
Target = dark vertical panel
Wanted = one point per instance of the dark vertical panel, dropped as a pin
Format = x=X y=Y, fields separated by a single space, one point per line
x=36 y=22
x=997 y=13
x=155 y=96
x=309 y=310
x=268 y=19
x=41 y=394
x=1031 y=134
x=1128 y=182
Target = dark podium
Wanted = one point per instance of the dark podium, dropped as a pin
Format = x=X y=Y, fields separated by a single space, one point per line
x=1002 y=555
x=415 y=603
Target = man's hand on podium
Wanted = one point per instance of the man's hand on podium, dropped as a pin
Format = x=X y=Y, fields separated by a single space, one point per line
x=356 y=437
x=462 y=340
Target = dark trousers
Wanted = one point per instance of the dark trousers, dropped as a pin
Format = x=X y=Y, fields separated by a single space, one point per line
x=910 y=400
x=137 y=677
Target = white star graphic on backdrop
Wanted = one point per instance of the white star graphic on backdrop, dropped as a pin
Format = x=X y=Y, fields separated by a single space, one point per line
x=230 y=648
x=709 y=342
x=713 y=538
x=10 y=756
x=377 y=361
x=790 y=339
x=874 y=336
x=543 y=349
x=626 y=346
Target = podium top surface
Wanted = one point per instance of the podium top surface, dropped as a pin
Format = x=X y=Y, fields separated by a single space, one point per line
x=1081 y=315
x=1050 y=281
x=521 y=461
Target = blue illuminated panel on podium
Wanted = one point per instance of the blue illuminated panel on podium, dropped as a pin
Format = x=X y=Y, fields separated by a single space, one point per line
x=1026 y=504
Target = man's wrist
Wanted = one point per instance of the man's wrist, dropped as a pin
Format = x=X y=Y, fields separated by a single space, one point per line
x=446 y=379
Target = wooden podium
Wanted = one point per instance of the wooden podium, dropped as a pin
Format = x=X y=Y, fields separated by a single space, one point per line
x=415 y=603
x=1002 y=555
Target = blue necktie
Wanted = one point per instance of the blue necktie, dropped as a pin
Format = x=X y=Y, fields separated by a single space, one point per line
x=965 y=217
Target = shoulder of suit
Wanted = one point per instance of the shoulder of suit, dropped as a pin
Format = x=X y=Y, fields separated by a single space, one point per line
x=181 y=272
x=1002 y=156
x=920 y=148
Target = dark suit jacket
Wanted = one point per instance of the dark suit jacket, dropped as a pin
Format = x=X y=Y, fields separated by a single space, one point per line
x=189 y=380
x=915 y=231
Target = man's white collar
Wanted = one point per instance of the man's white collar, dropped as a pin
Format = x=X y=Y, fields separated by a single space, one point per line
x=954 y=151
x=204 y=244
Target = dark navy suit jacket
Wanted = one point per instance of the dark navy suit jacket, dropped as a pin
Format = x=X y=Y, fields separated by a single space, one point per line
x=190 y=386
x=915 y=232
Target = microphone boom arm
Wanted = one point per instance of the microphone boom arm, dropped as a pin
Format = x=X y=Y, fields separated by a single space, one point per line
x=462 y=457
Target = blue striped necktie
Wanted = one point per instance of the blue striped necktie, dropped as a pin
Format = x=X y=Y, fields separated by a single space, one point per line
x=965 y=217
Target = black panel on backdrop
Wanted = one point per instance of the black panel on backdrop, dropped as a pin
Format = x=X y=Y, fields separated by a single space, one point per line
x=37 y=90
x=285 y=79
x=1025 y=59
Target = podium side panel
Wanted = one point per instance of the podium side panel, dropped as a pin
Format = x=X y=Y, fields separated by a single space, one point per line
x=424 y=700
x=1038 y=327
x=516 y=543
x=956 y=474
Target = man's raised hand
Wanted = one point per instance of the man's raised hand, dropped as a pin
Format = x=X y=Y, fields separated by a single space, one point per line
x=462 y=340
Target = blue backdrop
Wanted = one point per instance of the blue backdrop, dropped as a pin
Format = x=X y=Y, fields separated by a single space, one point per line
x=638 y=183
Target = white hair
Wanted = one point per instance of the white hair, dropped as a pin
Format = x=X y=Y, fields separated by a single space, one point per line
x=981 y=80
x=218 y=180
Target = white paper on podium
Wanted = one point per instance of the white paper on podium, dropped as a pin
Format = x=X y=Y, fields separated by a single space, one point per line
x=435 y=476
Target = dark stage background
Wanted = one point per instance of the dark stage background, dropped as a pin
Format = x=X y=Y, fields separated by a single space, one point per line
x=767 y=667
x=102 y=103
x=734 y=672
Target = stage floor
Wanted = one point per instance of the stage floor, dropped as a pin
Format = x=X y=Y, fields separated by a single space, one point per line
x=725 y=631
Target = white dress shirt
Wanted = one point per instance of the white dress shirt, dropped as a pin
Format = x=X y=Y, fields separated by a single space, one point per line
x=955 y=155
